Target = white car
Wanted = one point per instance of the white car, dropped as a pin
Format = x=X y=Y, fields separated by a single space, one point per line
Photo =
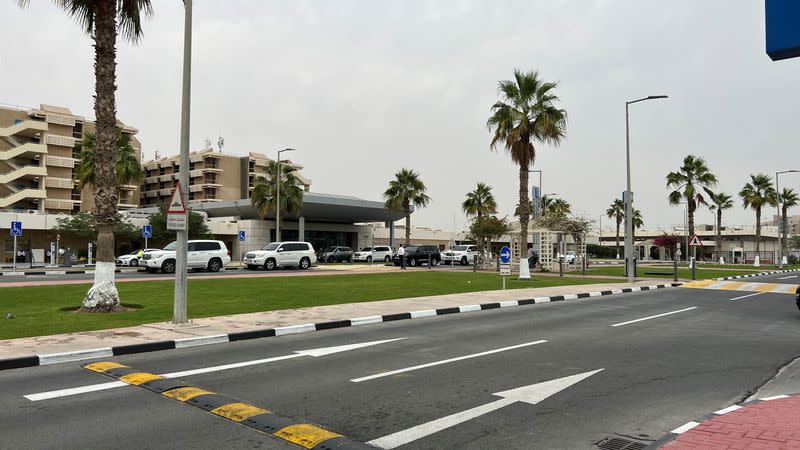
x=201 y=254
x=569 y=257
x=281 y=254
x=131 y=259
x=462 y=254
x=378 y=253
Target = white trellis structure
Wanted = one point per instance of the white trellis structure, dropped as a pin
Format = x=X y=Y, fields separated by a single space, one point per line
x=548 y=249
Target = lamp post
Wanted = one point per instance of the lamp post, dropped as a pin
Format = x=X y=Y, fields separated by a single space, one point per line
x=780 y=220
x=630 y=267
x=278 y=196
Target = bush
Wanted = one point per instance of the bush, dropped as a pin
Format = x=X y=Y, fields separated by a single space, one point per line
x=601 y=251
x=793 y=259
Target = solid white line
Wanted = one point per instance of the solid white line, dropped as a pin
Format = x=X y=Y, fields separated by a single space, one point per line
x=728 y=409
x=653 y=317
x=745 y=296
x=74 y=391
x=445 y=361
x=684 y=428
x=774 y=397
x=788 y=278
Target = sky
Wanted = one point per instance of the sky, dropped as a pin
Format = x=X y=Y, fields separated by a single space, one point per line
x=363 y=88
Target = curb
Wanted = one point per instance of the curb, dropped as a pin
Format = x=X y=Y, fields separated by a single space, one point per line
x=672 y=435
x=55 y=272
x=761 y=274
x=104 y=352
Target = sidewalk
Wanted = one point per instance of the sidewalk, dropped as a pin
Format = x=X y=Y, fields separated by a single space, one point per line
x=211 y=326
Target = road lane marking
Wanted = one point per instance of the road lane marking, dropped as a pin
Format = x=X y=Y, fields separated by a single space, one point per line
x=445 y=361
x=531 y=394
x=788 y=278
x=102 y=366
x=654 y=317
x=684 y=428
x=745 y=296
x=727 y=410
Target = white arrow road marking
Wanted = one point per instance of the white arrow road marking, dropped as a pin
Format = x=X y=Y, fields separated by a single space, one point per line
x=314 y=353
x=532 y=394
x=438 y=363
x=653 y=317
x=745 y=296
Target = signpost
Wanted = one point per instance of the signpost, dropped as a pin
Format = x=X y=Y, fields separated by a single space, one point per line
x=176 y=212
x=241 y=235
x=505 y=264
x=147 y=233
x=695 y=242
x=16 y=231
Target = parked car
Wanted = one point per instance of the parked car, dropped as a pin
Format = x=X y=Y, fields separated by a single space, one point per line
x=377 y=253
x=336 y=254
x=132 y=258
x=462 y=254
x=569 y=257
x=281 y=254
x=201 y=254
x=417 y=255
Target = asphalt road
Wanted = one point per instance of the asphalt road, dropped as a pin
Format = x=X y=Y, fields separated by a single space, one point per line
x=657 y=374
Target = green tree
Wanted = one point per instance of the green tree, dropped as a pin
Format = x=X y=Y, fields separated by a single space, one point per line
x=84 y=225
x=405 y=192
x=616 y=211
x=487 y=228
x=127 y=168
x=688 y=183
x=103 y=21
x=558 y=206
x=265 y=191
x=794 y=242
x=719 y=202
x=526 y=114
x=197 y=227
x=756 y=194
x=788 y=199
x=480 y=201
x=638 y=222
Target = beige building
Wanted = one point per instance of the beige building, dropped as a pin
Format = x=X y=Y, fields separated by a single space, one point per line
x=792 y=224
x=38 y=154
x=213 y=177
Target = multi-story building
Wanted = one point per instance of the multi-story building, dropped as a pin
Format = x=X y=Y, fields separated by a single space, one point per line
x=792 y=224
x=213 y=177
x=38 y=154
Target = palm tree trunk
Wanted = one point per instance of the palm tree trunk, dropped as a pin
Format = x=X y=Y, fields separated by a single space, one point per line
x=719 y=233
x=408 y=227
x=758 y=231
x=103 y=295
x=523 y=211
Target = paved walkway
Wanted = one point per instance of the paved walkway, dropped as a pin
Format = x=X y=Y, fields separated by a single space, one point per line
x=269 y=319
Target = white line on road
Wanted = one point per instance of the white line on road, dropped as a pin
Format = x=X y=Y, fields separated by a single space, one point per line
x=438 y=363
x=684 y=428
x=788 y=278
x=653 y=317
x=745 y=296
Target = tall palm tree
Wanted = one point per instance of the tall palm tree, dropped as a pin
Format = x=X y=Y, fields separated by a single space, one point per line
x=103 y=20
x=526 y=114
x=127 y=168
x=559 y=206
x=688 y=183
x=616 y=211
x=265 y=191
x=405 y=192
x=788 y=199
x=546 y=203
x=756 y=194
x=638 y=222
x=719 y=202
x=480 y=201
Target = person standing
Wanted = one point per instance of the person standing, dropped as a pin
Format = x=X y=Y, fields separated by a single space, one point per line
x=401 y=253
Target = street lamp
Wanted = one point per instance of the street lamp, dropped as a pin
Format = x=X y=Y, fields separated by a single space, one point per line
x=780 y=221
x=629 y=262
x=278 y=197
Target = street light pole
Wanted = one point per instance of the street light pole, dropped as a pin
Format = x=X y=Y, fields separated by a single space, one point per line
x=780 y=220
x=278 y=197
x=630 y=266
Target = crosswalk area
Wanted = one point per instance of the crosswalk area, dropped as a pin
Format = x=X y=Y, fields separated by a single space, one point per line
x=775 y=288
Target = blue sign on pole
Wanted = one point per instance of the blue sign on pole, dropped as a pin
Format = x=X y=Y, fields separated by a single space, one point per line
x=505 y=255
x=241 y=235
x=783 y=34
x=16 y=229
x=147 y=231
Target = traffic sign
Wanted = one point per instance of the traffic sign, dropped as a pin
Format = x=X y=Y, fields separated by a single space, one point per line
x=505 y=270
x=176 y=212
x=505 y=255
x=16 y=229
x=241 y=235
x=147 y=231
x=695 y=242
x=783 y=34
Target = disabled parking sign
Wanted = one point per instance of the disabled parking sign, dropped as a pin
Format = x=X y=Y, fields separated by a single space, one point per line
x=16 y=229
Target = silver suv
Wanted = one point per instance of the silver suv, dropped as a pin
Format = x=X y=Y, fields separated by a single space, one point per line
x=211 y=255
x=281 y=254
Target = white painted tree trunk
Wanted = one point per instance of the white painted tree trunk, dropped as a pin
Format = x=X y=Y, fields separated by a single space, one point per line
x=103 y=296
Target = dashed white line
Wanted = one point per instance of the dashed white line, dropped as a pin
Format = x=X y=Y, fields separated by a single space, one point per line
x=684 y=428
x=788 y=278
x=727 y=410
x=745 y=296
x=654 y=317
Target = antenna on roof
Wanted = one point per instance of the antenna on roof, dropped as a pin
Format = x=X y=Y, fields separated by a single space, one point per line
x=208 y=143
x=156 y=155
x=220 y=143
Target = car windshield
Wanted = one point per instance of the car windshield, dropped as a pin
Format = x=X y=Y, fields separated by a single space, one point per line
x=271 y=246
x=366 y=249
x=171 y=246
x=460 y=248
x=134 y=252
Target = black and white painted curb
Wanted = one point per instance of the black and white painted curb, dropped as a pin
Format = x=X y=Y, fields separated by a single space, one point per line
x=57 y=272
x=761 y=274
x=672 y=435
x=80 y=355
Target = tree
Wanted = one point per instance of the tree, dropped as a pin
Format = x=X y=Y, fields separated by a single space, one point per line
x=756 y=194
x=526 y=114
x=616 y=211
x=84 y=226
x=405 y=192
x=197 y=227
x=558 y=206
x=668 y=241
x=794 y=242
x=691 y=179
x=486 y=229
x=638 y=222
x=719 y=202
x=788 y=199
x=127 y=168
x=103 y=20
x=480 y=201
x=265 y=190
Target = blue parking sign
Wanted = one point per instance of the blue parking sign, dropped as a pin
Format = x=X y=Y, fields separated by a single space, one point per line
x=241 y=235
x=16 y=229
x=147 y=231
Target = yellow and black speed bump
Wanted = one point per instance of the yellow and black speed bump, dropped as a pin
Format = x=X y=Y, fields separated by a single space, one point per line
x=303 y=434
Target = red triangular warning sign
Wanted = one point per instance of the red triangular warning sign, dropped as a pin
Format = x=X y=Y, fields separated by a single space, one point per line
x=695 y=242
x=176 y=204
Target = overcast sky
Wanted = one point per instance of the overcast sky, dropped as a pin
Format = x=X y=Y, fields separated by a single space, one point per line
x=364 y=88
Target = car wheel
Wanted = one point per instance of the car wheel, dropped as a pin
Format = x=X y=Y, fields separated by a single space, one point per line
x=387 y=259
x=134 y=263
x=305 y=263
x=412 y=262
x=434 y=262
x=168 y=266
x=464 y=261
x=269 y=264
x=369 y=259
x=214 y=265
x=252 y=267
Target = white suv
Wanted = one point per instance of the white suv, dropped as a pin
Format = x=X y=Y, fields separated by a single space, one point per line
x=281 y=254
x=462 y=254
x=378 y=253
x=211 y=255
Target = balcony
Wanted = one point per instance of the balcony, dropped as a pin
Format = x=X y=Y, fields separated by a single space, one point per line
x=52 y=203
x=61 y=183
x=57 y=161
x=151 y=180
x=64 y=141
x=60 y=119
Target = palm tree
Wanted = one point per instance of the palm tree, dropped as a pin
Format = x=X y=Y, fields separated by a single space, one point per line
x=718 y=203
x=405 y=192
x=757 y=193
x=526 y=114
x=480 y=201
x=559 y=206
x=616 y=211
x=265 y=191
x=687 y=183
x=127 y=168
x=638 y=222
x=788 y=199
x=546 y=202
x=103 y=20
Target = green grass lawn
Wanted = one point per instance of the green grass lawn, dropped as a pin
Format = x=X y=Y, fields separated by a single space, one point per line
x=762 y=268
x=665 y=271
x=37 y=309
